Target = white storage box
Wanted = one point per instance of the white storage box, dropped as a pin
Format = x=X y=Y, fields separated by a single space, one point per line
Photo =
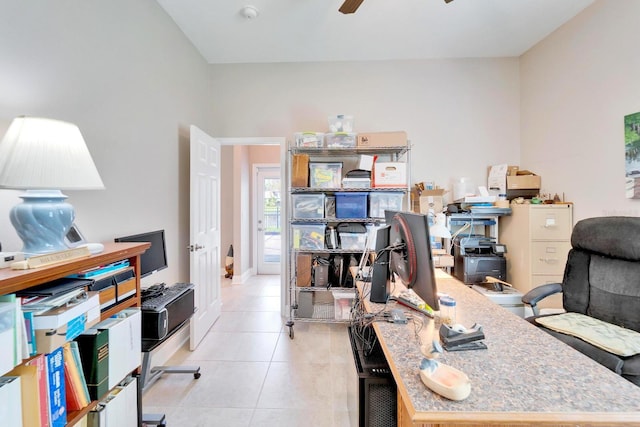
x=11 y=407
x=390 y=174
x=125 y=343
x=7 y=336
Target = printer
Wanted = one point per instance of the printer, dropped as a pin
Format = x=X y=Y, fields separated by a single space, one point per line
x=476 y=257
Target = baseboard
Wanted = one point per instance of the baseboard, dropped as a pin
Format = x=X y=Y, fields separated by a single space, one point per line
x=238 y=280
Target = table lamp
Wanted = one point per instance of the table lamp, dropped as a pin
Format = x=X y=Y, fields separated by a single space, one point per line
x=44 y=156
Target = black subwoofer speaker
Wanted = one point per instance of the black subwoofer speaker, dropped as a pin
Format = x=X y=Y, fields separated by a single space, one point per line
x=377 y=393
x=380 y=270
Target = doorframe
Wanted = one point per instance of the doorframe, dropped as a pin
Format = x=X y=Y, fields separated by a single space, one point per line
x=284 y=232
x=256 y=170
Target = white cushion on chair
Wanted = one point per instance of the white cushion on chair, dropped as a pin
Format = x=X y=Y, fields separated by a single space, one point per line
x=609 y=337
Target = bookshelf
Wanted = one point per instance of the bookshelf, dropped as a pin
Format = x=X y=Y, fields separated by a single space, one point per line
x=12 y=281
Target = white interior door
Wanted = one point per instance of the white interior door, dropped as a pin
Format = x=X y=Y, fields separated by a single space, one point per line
x=204 y=232
x=267 y=199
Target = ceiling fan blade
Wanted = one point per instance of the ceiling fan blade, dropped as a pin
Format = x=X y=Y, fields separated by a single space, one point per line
x=350 y=6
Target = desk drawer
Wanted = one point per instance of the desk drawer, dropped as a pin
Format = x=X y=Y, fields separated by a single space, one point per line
x=549 y=257
x=553 y=301
x=550 y=223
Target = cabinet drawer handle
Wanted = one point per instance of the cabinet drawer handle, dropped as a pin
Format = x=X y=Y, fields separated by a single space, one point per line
x=549 y=260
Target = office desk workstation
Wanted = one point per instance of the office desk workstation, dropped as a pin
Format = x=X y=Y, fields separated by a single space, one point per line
x=524 y=377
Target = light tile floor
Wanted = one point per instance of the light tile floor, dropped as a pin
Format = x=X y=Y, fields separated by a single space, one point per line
x=254 y=375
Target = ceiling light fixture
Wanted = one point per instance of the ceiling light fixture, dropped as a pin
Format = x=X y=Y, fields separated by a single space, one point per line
x=249 y=12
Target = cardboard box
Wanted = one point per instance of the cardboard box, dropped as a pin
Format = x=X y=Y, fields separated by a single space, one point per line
x=432 y=200
x=523 y=182
x=390 y=174
x=300 y=170
x=441 y=261
x=303 y=270
x=382 y=139
x=125 y=284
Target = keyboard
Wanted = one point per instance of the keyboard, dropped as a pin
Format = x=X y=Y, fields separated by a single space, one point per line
x=157 y=296
x=410 y=299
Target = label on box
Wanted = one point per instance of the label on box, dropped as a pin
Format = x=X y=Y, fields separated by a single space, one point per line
x=382 y=139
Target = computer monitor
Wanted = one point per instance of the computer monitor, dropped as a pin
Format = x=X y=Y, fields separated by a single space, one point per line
x=411 y=259
x=154 y=258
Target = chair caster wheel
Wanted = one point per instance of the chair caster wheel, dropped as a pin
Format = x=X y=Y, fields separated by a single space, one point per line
x=196 y=375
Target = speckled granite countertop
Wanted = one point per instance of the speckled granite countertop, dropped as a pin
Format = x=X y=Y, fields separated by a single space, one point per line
x=525 y=374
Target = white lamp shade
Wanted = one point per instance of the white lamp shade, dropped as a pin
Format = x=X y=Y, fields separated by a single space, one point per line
x=39 y=153
x=439 y=227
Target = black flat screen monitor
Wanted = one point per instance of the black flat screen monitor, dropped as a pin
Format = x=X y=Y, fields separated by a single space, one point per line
x=154 y=258
x=411 y=260
x=380 y=269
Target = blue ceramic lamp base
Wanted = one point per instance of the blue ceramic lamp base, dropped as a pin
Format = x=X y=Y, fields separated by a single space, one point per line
x=42 y=221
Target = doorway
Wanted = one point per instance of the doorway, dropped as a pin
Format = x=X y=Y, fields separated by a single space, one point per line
x=268 y=215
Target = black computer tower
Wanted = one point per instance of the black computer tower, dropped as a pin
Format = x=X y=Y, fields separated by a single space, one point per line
x=377 y=393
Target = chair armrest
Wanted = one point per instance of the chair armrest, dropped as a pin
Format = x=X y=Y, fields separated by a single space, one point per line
x=537 y=294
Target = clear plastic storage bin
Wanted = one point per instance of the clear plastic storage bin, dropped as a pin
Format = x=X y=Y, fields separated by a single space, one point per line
x=341 y=123
x=353 y=241
x=356 y=183
x=308 y=237
x=325 y=175
x=340 y=140
x=308 y=206
x=309 y=139
x=380 y=201
x=342 y=303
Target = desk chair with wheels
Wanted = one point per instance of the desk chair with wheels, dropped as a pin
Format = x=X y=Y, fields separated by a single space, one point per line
x=601 y=281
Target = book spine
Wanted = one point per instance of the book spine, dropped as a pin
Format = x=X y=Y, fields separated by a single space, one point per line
x=75 y=352
x=31 y=333
x=94 y=354
x=55 y=376
x=73 y=387
x=43 y=389
x=72 y=399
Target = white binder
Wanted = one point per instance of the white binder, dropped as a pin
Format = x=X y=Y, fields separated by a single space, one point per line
x=11 y=407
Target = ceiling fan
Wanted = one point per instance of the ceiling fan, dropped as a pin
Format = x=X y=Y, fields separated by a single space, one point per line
x=350 y=6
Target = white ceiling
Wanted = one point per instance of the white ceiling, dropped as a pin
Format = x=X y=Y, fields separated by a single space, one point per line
x=314 y=30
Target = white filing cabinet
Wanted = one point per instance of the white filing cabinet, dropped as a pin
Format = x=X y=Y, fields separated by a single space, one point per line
x=538 y=239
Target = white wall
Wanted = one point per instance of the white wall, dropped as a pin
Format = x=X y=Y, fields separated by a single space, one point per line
x=461 y=115
x=577 y=86
x=127 y=76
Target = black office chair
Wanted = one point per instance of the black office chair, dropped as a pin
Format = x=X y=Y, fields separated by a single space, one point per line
x=601 y=280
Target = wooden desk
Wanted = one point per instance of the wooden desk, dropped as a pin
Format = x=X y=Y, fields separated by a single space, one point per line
x=525 y=377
